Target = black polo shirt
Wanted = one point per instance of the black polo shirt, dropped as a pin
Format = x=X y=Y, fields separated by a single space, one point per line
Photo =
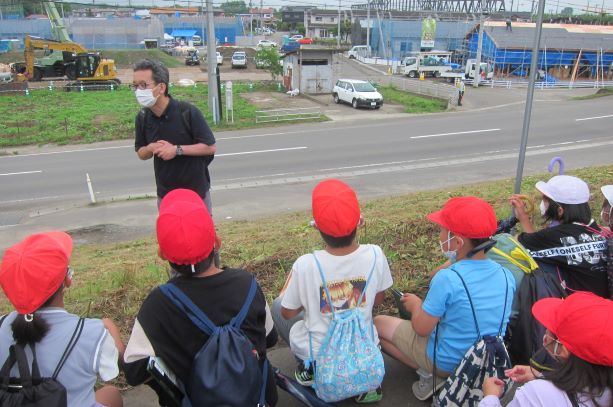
x=181 y=171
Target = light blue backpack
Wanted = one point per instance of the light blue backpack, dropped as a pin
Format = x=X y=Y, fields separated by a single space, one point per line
x=349 y=362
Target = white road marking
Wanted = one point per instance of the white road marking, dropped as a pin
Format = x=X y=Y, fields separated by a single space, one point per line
x=594 y=118
x=454 y=133
x=261 y=151
x=66 y=151
x=20 y=173
x=395 y=166
x=45 y=198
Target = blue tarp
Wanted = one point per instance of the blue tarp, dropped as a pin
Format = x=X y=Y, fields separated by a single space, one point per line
x=183 y=33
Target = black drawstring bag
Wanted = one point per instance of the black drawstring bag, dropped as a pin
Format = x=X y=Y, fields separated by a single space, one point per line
x=30 y=389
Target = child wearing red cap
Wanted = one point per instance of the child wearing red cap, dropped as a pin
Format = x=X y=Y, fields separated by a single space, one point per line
x=466 y=225
x=33 y=275
x=572 y=248
x=186 y=238
x=346 y=265
x=580 y=336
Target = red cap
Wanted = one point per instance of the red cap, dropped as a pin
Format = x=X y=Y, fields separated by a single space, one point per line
x=33 y=269
x=467 y=216
x=335 y=208
x=583 y=322
x=185 y=230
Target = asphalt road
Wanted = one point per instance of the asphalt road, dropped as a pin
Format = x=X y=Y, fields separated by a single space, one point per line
x=265 y=171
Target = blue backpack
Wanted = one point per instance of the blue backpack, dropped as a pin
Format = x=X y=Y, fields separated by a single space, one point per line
x=226 y=370
x=349 y=362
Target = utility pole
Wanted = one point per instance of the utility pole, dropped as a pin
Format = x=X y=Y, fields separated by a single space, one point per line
x=529 y=96
x=367 y=24
x=479 y=47
x=338 y=27
x=212 y=62
x=261 y=15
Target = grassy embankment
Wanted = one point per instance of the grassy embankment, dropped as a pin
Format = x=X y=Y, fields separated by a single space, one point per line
x=412 y=102
x=112 y=280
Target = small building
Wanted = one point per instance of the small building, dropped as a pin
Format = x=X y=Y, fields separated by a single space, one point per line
x=264 y=16
x=320 y=23
x=293 y=15
x=567 y=51
x=310 y=69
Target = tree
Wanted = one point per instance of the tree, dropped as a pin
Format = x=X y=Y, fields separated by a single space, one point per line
x=268 y=58
x=234 y=7
x=567 y=11
x=345 y=30
x=300 y=29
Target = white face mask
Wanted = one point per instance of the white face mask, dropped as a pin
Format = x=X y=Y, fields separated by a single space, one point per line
x=145 y=97
x=452 y=255
x=543 y=208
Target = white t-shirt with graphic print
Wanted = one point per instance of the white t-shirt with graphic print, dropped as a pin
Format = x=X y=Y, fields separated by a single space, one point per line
x=346 y=277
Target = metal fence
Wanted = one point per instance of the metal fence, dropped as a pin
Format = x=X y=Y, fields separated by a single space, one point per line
x=279 y=115
x=544 y=84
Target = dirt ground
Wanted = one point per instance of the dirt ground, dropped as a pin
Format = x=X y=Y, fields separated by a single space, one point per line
x=278 y=100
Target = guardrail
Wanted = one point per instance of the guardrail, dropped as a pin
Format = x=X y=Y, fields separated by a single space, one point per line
x=508 y=84
x=281 y=115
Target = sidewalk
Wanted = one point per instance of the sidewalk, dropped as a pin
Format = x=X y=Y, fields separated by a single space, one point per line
x=396 y=385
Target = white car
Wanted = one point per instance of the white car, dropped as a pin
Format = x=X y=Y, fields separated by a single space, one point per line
x=266 y=44
x=357 y=93
x=239 y=59
x=296 y=37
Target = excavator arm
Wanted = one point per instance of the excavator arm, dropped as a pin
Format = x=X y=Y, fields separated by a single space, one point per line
x=34 y=43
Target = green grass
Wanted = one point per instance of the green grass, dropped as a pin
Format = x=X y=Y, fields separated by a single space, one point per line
x=599 y=94
x=412 y=102
x=112 y=280
x=60 y=117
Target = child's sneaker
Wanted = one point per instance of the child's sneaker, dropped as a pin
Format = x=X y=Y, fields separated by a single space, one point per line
x=372 y=396
x=424 y=388
x=304 y=376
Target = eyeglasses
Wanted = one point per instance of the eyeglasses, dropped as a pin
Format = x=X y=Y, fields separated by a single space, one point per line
x=142 y=85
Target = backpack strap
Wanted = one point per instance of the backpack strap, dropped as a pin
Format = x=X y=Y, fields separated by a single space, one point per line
x=470 y=300
x=186 y=116
x=262 y=402
x=22 y=363
x=195 y=314
x=76 y=334
x=237 y=321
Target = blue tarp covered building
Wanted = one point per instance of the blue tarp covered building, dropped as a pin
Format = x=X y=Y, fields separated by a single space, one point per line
x=584 y=49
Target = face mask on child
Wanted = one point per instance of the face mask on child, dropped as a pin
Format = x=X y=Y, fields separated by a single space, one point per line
x=543 y=208
x=452 y=255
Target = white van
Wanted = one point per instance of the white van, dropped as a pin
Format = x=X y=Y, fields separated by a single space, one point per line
x=359 y=50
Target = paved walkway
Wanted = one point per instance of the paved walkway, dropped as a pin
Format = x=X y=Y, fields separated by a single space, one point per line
x=396 y=386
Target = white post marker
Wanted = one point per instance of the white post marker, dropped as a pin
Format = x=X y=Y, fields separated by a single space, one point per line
x=92 y=197
x=229 y=101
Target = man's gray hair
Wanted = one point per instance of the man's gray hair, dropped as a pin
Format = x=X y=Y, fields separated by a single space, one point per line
x=158 y=70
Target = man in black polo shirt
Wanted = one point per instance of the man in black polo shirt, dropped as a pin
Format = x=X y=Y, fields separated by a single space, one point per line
x=173 y=132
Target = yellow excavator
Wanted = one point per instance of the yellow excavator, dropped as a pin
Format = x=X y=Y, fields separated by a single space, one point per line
x=77 y=64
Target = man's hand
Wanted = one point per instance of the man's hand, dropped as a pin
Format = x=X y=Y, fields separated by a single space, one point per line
x=493 y=386
x=165 y=150
x=411 y=302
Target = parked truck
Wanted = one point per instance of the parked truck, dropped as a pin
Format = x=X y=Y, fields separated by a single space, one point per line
x=468 y=72
x=428 y=65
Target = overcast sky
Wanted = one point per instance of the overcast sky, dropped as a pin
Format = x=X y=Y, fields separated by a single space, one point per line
x=524 y=5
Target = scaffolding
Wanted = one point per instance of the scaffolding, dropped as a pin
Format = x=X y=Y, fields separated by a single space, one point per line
x=453 y=6
x=591 y=60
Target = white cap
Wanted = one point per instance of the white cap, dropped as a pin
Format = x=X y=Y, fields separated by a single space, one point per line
x=607 y=191
x=565 y=189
